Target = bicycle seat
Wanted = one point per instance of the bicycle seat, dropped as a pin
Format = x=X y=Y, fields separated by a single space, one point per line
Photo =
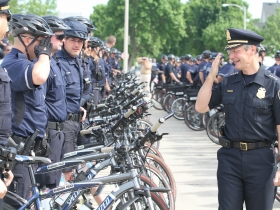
x=31 y=159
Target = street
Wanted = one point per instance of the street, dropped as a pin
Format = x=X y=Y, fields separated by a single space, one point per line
x=191 y=157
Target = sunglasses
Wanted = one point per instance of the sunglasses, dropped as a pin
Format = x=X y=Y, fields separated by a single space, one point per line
x=60 y=36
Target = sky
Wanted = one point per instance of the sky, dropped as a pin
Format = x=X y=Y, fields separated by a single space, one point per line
x=85 y=7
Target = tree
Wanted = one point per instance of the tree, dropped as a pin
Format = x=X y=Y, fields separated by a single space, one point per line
x=36 y=7
x=152 y=24
x=271 y=33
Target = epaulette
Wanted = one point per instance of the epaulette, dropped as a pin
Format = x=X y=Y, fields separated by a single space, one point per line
x=271 y=76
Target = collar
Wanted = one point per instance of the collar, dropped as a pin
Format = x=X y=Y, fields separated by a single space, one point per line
x=18 y=53
x=259 y=78
x=67 y=57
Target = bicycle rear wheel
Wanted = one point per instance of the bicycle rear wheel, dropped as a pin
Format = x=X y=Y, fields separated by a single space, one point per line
x=168 y=100
x=213 y=125
x=179 y=106
x=193 y=118
x=157 y=97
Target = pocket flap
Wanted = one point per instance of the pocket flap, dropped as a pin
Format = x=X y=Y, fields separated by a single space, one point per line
x=228 y=100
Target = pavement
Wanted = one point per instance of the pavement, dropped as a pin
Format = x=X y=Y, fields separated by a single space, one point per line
x=191 y=157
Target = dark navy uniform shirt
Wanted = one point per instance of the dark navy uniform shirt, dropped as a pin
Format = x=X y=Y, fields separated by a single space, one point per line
x=161 y=67
x=55 y=93
x=252 y=110
x=202 y=66
x=74 y=80
x=184 y=69
x=275 y=69
x=169 y=68
x=87 y=81
x=5 y=107
x=28 y=104
x=226 y=70
x=101 y=66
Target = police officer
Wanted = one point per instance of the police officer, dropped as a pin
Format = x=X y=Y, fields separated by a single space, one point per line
x=98 y=75
x=185 y=68
x=275 y=69
x=192 y=73
x=31 y=39
x=251 y=99
x=5 y=107
x=169 y=74
x=114 y=61
x=203 y=65
x=72 y=67
x=226 y=70
x=55 y=99
x=108 y=69
x=161 y=66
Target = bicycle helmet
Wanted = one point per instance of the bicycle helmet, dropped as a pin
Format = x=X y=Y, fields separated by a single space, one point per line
x=164 y=57
x=277 y=54
x=114 y=50
x=170 y=57
x=193 y=60
x=81 y=19
x=30 y=24
x=55 y=23
x=206 y=54
x=199 y=57
x=177 y=59
x=182 y=58
x=77 y=29
x=95 y=42
x=188 y=57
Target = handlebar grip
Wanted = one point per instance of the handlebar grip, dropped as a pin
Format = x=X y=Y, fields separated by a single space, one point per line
x=12 y=143
x=171 y=113
x=107 y=149
x=88 y=131
x=157 y=125
x=130 y=112
x=101 y=105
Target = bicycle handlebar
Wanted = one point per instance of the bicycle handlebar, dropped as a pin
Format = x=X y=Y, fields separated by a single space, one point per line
x=89 y=130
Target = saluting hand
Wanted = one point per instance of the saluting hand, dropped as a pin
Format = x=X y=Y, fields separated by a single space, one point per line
x=215 y=66
x=277 y=179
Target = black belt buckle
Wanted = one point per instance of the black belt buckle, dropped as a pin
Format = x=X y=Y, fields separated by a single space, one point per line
x=243 y=146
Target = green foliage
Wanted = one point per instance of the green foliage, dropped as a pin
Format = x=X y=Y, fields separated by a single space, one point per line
x=37 y=7
x=167 y=26
x=271 y=33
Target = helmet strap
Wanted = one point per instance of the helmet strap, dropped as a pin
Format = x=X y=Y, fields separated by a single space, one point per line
x=26 y=47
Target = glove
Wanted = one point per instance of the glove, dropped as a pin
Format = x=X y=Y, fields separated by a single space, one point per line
x=42 y=148
x=45 y=47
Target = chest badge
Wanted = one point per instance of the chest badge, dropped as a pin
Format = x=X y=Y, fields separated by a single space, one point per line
x=261 y=93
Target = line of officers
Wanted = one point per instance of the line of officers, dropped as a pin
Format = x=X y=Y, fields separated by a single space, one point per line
x=189 y=70
x=54 y=69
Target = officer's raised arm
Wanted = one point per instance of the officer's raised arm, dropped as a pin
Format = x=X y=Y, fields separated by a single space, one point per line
x=205 y=91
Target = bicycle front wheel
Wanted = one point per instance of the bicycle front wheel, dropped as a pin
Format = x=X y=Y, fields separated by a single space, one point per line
x=179 y=106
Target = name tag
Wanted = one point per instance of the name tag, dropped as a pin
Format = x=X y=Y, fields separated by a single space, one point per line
x=230 y=91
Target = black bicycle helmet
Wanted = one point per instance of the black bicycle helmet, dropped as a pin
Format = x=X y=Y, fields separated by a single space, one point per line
x=170 y=57
x=164 y=57
x=188 y=57
x=55 y=23
x=114 y=50
x=107 y=49
x=182 y=58
x=177 y=59
x=206 y=54
x=30 y=24
x=213 y=55
x=198 y=57
x=77 y=29
x=95 y=42
x=193 y=60
x=277 y=54
x=86 y=21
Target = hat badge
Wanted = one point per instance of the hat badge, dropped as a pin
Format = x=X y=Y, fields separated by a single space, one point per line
x=228 y=35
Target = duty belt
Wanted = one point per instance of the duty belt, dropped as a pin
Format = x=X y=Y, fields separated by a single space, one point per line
x=243 y=145
x=18 y=139
x=55 y=125
x=73 y=117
